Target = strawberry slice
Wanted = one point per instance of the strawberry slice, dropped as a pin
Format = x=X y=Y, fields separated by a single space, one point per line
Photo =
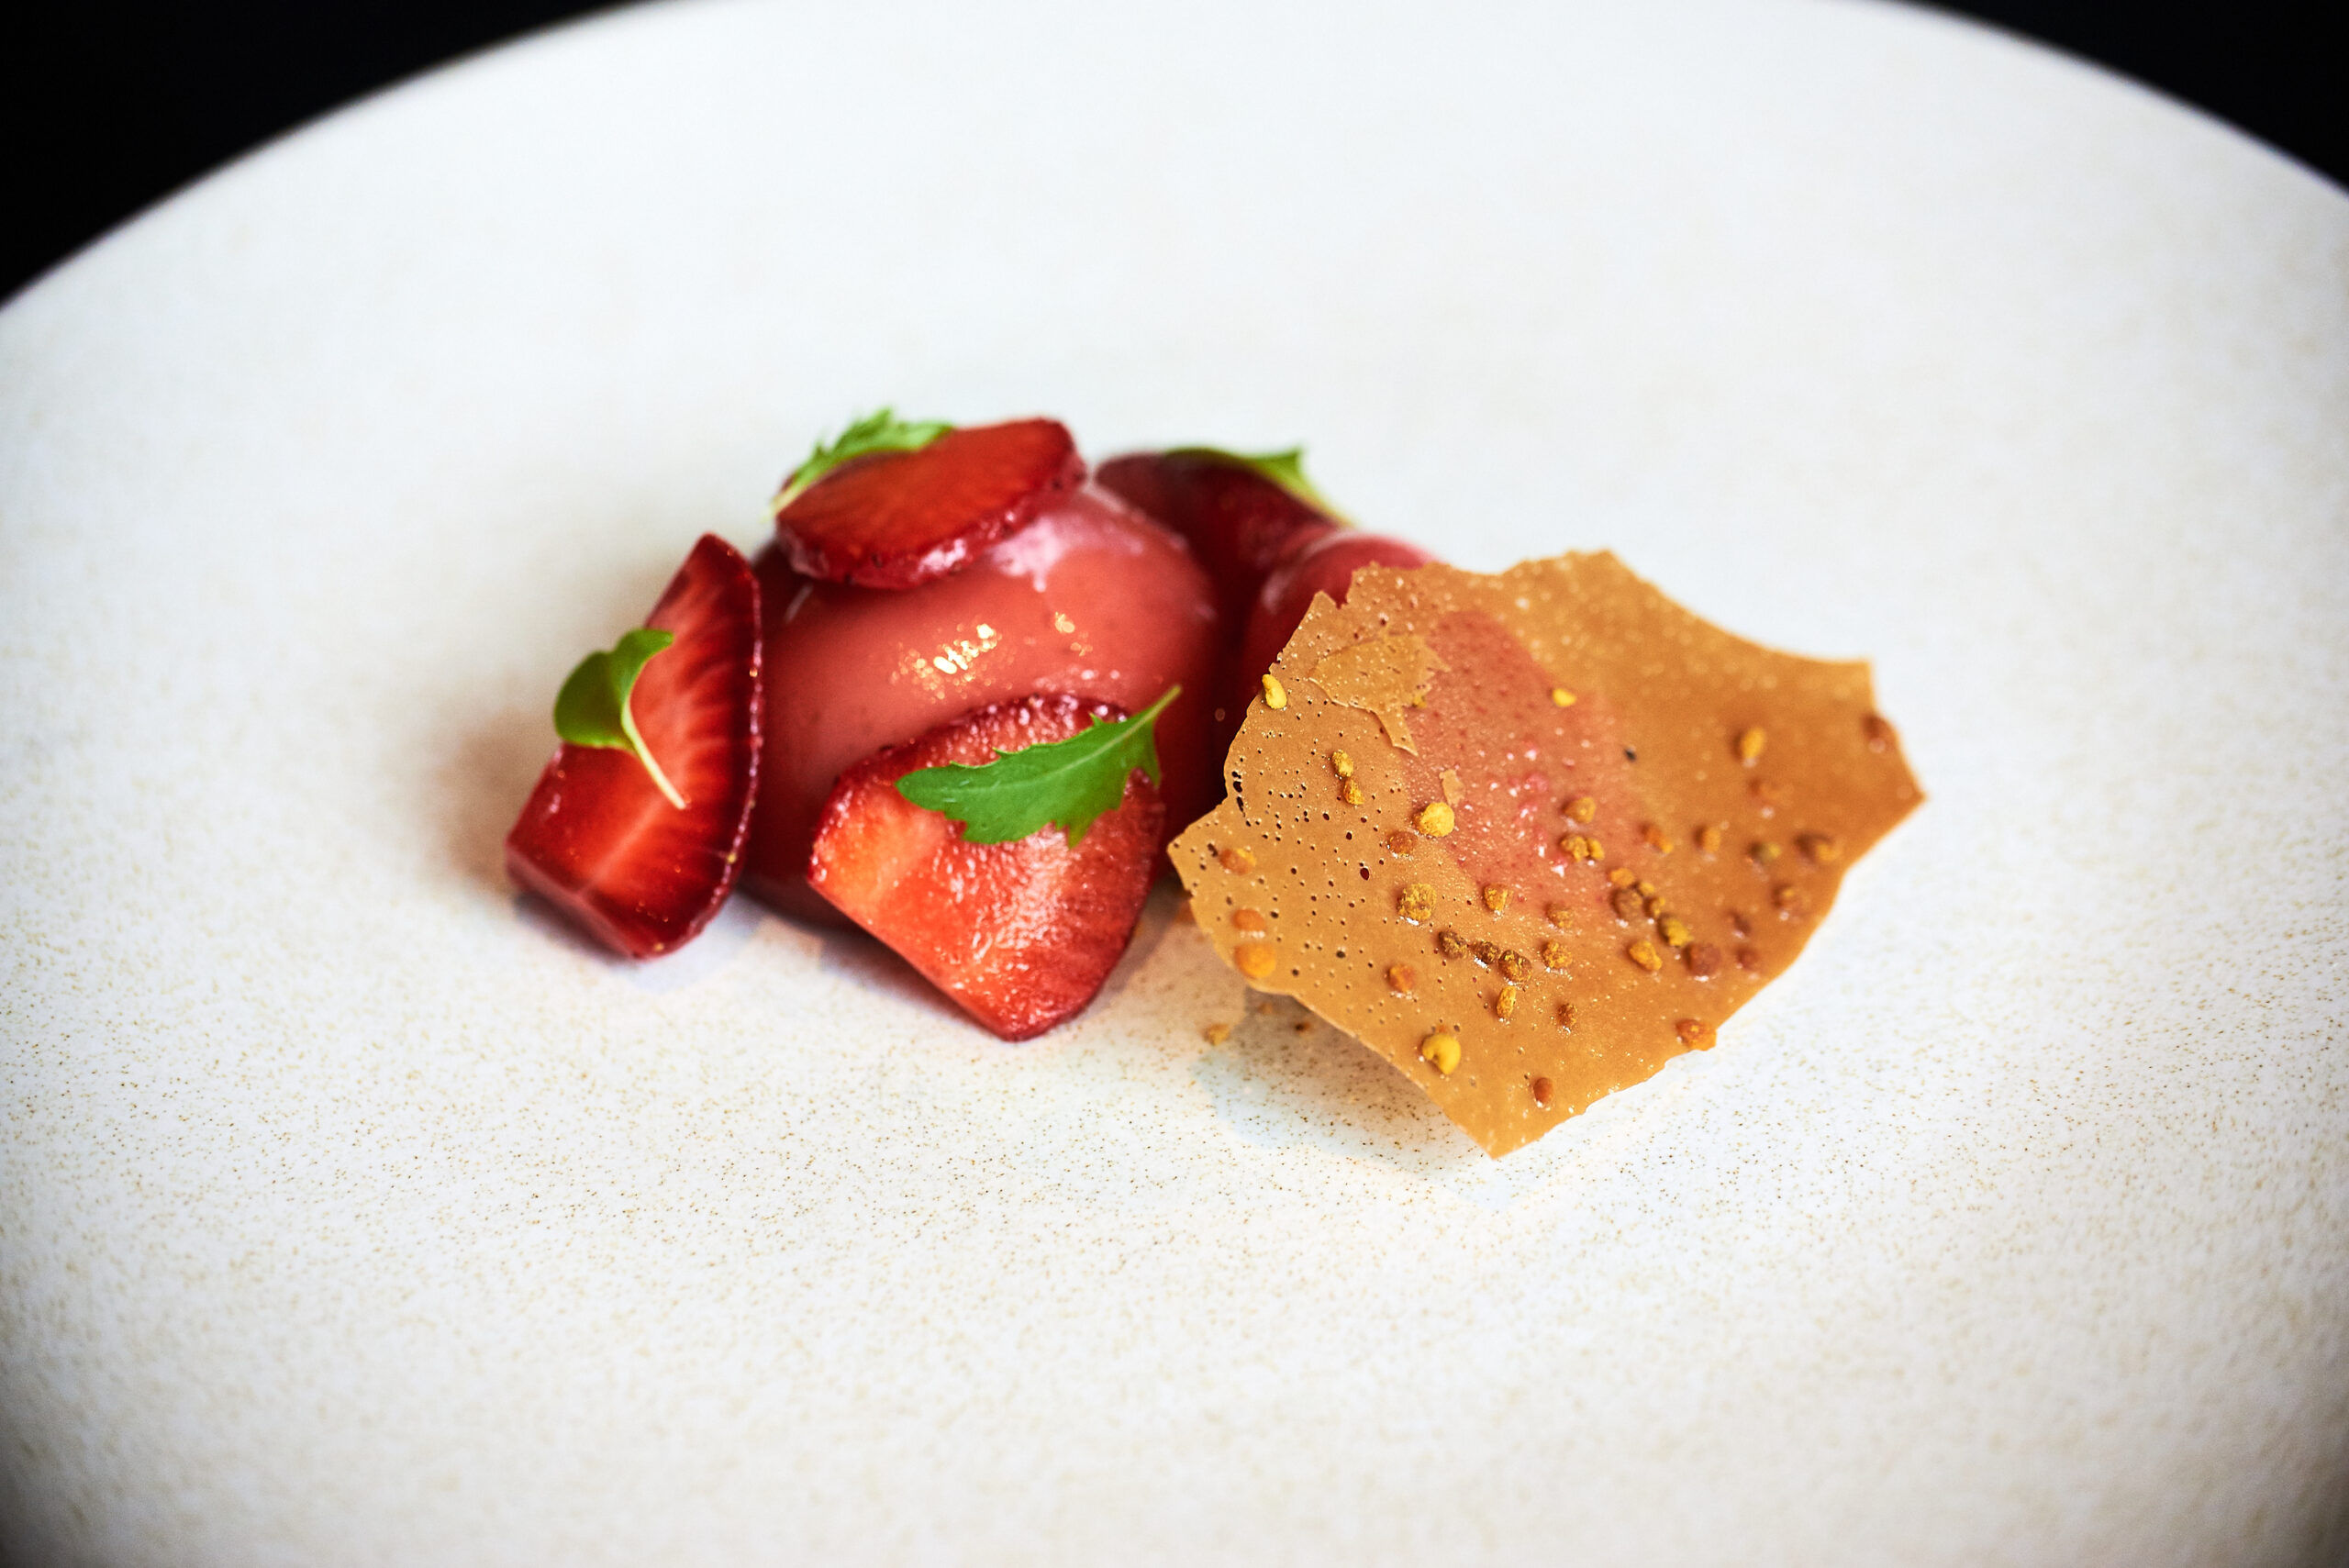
x=1020 y=934
x=1238 y=520
x=891 y=520
x=598 y=838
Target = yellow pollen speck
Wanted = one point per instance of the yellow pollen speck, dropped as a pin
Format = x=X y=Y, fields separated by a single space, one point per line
x=1561 y=917
x=1763 y=851
x=1256 y=960
x=1561 y=696
x=1582 y=808
x=1708 y=839
x=1497 y=898
x=1655 y=839
x=1217 y=1033
x=1449 y=945
x=1402 y=979
x=1643 y=954
x=1237 y=859
x=1435 y=819
x=1506 y=1003
x=1440 y=1050
x=1692 y=1034
x=1341 y=764
x=1566 y=1015
x=1749 y=746
x=1675 y=933
x=1623 y=876
x=1555 y=956
x=1350 y=792
x=1275 y=694
x=1788 y=898
x=1249 y=920
x=1416 y=903
x=1823 y=849
x=1513 y=965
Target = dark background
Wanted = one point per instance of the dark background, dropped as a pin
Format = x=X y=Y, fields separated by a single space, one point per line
x=106 y=106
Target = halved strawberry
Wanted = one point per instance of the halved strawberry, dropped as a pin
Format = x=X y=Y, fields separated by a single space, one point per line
x=1020 y=934
x=890 y=519
x=1236 y=517
x=598 y=838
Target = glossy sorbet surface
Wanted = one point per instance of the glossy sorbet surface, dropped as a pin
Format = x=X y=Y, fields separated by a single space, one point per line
x=1091 y=599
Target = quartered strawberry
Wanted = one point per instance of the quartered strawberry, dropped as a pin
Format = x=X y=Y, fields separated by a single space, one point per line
x=919 y=507
x=1236 y=513
x=599 y=837
x=1020 y=934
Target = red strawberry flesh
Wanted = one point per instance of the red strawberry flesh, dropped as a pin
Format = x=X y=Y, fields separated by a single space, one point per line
x=893 y=519
x=597 y=838
x=1021 y=935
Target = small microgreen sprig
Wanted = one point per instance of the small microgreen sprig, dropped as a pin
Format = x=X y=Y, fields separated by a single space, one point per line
x=879 y=431
x=592 y=709
x=1065 y=783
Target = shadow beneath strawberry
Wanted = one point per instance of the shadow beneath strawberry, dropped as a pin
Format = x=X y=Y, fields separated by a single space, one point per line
x=854 y=955
x=734 y=928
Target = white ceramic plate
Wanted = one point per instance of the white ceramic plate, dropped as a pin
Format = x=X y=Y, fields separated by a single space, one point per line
x=352 y=1213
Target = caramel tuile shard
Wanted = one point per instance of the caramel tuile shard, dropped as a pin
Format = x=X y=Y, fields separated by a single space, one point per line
x=1385 y=676
x=1647 y=676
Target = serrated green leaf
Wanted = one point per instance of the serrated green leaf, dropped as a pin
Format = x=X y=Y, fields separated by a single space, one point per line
x=1285 y=469
x=592 y=709
x=880 y=432
x=1065 y=783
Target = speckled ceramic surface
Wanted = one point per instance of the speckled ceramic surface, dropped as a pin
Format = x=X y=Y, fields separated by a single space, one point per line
x=351 y=1213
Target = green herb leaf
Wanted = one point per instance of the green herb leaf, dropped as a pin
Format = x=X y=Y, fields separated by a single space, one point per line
x=1068 y=781
x=880 y=432
x=592 y=708
x=1285 y=468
